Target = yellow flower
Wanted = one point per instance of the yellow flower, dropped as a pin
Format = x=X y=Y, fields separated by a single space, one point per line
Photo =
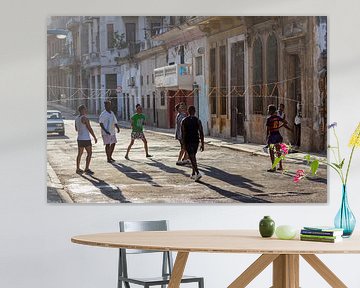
x=355 y=138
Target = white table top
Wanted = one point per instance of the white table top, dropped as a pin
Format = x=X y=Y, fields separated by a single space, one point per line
x=216 y=241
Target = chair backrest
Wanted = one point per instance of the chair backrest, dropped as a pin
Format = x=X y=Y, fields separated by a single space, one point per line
x=134 y=226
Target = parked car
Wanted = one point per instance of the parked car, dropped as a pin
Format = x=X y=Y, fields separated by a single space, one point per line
x=55 y=122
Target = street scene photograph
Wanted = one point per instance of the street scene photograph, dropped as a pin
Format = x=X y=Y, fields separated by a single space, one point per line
x=186 y=109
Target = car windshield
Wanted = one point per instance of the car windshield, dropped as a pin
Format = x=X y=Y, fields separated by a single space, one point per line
x=53 y=115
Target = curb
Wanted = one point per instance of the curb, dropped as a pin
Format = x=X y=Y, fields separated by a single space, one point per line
x=55 y=181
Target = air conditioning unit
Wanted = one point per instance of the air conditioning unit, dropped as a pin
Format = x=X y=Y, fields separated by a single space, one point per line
x=200 y=50
x=146 y=44
x=131 y=81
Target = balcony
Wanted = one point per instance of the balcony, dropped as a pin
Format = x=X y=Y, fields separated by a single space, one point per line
x=60 y=61
x=134 y=48
x=173 y=77
x=73 y=23
x=127 y=52
x=146 y=44
x=91 y=60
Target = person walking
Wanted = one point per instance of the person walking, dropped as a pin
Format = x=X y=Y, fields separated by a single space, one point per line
x=108 y=123
x=192 y=132
x=137 y=126
x=183 y=157
x=281 y=111
x=297 y=126
x=273 y=124
x=83 y=128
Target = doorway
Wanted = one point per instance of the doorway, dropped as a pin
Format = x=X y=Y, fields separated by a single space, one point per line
x=293 y=104
x=237 y=88
x=111 y=85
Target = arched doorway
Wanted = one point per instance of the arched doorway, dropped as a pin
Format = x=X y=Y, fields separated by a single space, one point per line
x=293 y=105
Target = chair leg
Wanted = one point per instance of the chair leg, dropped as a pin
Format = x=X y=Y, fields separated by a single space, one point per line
x=201 y=283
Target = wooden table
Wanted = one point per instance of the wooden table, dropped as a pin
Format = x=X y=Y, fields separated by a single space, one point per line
x=284 y=254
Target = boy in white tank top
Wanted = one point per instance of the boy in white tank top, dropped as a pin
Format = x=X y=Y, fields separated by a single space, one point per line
x=83 y=127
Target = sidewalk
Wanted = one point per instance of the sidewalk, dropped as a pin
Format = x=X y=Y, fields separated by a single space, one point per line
x=233 y=144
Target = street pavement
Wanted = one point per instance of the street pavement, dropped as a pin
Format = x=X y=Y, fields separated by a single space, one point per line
x=234 y=172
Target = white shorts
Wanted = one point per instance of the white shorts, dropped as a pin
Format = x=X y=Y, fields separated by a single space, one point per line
x=109 y=139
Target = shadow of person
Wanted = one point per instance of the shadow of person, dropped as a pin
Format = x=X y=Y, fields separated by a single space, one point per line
x=135 y=174
x=239 y=197
x=105 y=188
x=165 y=168
x=232 y=179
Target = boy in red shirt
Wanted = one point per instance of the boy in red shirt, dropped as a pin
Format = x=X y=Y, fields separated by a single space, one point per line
x=273 y=124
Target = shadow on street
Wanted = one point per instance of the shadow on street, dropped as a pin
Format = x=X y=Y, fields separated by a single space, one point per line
x=232 y=179
x=106 y=189
x=166 y=168
x=134 y=174
x=234 y=196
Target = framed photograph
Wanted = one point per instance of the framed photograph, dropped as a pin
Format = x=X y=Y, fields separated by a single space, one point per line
x=186 y=109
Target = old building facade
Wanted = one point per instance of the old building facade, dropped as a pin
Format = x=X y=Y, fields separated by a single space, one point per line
x=230 y=68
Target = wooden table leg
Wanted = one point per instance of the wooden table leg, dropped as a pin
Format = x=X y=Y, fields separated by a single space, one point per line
x=178 y=270
x=324 y=271
x=253 y=270
x=286 y=271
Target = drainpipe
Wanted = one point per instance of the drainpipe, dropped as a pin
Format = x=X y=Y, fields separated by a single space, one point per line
x=196 y=95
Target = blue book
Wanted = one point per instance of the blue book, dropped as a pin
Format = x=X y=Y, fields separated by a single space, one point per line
x=322 y=231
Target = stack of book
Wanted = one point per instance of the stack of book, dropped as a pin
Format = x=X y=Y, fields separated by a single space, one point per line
x=321 y=234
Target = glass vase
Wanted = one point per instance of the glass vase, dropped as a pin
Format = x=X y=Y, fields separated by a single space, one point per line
x=345 y=219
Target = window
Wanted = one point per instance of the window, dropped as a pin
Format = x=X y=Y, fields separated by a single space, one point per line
x=213 y=80
x=85 y=40
x=162 y=98
x=148 y=101
x=272 y=70
x=110 y=35
x=152 y=78
x=182 y=19
x=142 y=81
x=182 y=54
x=198 y=66
x=142 y=101
x=257 y=78
x=223 y=84
x=172 y=21
x=130 y=32
x=147 y=79
x=155 y=28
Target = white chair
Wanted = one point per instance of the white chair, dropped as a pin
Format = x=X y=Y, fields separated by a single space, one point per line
x=167 y=262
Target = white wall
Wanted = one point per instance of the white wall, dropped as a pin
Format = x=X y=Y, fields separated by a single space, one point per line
x=35 y=248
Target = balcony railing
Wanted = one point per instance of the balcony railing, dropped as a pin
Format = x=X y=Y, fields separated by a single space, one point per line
x=177 y=76
x=91 y=60
x=60 y=61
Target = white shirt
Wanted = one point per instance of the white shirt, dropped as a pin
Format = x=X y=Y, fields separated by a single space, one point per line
x=108 y=119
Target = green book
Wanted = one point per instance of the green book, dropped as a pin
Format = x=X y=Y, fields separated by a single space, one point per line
x=319 y=236
x=326 y=240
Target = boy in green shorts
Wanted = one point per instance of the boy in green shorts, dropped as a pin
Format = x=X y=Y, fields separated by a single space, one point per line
x=137 y=124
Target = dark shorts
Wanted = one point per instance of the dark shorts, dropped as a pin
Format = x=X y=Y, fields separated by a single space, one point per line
x=137 y=135
x=84 y=143
x=191 y=148
x=275 y=138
